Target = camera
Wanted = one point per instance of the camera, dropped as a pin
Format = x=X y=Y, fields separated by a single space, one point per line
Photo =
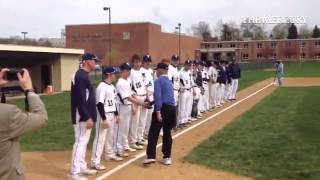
x=11 y=75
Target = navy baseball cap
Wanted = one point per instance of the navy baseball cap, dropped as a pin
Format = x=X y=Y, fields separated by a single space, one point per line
x=89 y=56
x=125 y=66
x=109 y=70
x=175 y=57
x=162 y=66
x=147 y=58
x=188 y=62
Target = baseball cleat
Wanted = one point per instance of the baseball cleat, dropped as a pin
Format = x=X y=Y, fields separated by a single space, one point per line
x=98 y=167
x=136 y=146
x=131 y=150
x=89 y=172
x=114 y=158
x=123 y=154
x=77 y=177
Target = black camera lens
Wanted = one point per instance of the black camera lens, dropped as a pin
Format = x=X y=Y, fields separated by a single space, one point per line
x=12 y=74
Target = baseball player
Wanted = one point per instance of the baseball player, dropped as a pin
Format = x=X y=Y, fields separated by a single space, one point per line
x=139 y=118
x=147 y=74
x=213 y=74
x=235 y=75
x=197 y=76
x=84 y=114
x=205 y=84
x=228 y=86
x=185 y=99
x=126 y=102
x=107 y=117
x=279 y=72
x=173 y=75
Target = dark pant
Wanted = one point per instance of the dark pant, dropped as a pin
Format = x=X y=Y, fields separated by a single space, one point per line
x=168 y=114
x=194 y=112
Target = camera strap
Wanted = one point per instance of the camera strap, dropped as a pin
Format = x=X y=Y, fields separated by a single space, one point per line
x=3 y=97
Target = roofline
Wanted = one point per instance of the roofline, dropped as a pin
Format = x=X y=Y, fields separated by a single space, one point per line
x=39 y=49
x=266 y=40
x=125 y=23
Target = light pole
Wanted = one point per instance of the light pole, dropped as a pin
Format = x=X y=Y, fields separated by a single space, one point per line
x=179 y=31
x=109 y=32
x=24 y=35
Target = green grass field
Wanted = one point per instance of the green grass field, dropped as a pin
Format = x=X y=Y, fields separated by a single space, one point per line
x=277 y=139
x=58 y=134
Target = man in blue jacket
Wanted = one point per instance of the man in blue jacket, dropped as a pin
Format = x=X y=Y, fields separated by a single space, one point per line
x=235 y=72
x=164 y=116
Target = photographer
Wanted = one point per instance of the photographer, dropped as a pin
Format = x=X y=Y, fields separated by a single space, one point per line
x=15 y=123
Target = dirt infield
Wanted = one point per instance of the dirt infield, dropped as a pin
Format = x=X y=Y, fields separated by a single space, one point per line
x=55 y=165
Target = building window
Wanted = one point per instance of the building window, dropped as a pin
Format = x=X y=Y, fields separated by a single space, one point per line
x=245 y=45
x=245 y=56
x=302 y=44
x=259 y=55
x=219 y=45
x=212 y=45
x=206 y=45
x=288 y=44
x=259 y=45
x=317 y=56
x=126 y=36
x=317 y=43
x=274 y=56
x=232 y=45
x=302 y=55
x=273 y=45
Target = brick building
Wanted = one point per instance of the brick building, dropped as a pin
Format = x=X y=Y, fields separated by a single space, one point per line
x=127 y=39
x=254 y=50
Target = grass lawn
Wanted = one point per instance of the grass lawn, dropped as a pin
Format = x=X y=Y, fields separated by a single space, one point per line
x=58 y=134
x=277 y=139
x=309 y=69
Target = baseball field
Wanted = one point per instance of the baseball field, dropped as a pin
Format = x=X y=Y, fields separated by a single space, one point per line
x=268 y=133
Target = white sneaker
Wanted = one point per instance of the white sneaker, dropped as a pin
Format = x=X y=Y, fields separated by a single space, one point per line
x=136 y=146
x=131 y=150
x=114 y=158
x=89 y=172
x=193 y=119
x=166 y=161
x=149 y=161
x=123 y=154
x=77 y=177
x=98 y=167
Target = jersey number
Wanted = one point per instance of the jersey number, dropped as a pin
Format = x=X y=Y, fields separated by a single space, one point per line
x=110 y=103
x=138 y=85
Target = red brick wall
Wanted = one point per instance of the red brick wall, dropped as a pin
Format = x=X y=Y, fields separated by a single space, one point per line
x=145 y=38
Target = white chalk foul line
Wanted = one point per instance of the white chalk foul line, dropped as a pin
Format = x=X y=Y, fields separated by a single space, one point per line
x=138 y=156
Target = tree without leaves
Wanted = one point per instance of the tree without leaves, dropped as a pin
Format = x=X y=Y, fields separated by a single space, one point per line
x=304 y=32
x=280 y=31
x=253 y=31
x=202 y=30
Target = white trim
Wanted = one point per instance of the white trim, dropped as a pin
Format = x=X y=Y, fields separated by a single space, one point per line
x=121 y=166
x=38 y=49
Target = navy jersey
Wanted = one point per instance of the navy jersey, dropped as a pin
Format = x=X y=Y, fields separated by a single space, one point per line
x=83 y=100
x=222 y=75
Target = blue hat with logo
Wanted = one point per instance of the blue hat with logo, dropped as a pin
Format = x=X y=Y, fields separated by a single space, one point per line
x=175 y=57
x=89 y=56
x=188 y=62
x=109 y=70
x=125 y=66
x=146 y=58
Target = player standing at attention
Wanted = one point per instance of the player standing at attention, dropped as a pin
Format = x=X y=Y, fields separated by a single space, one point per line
x=139 y=118
x=84 y=114
x=185 y=99
x=148 y=74
x=107 y=117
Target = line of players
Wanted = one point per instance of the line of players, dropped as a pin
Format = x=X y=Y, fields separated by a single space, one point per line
x=125 y=110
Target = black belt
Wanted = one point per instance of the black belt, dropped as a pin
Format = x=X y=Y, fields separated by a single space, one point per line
x=141 y=95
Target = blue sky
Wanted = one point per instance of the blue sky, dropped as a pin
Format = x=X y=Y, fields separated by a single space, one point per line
x=46 y=18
